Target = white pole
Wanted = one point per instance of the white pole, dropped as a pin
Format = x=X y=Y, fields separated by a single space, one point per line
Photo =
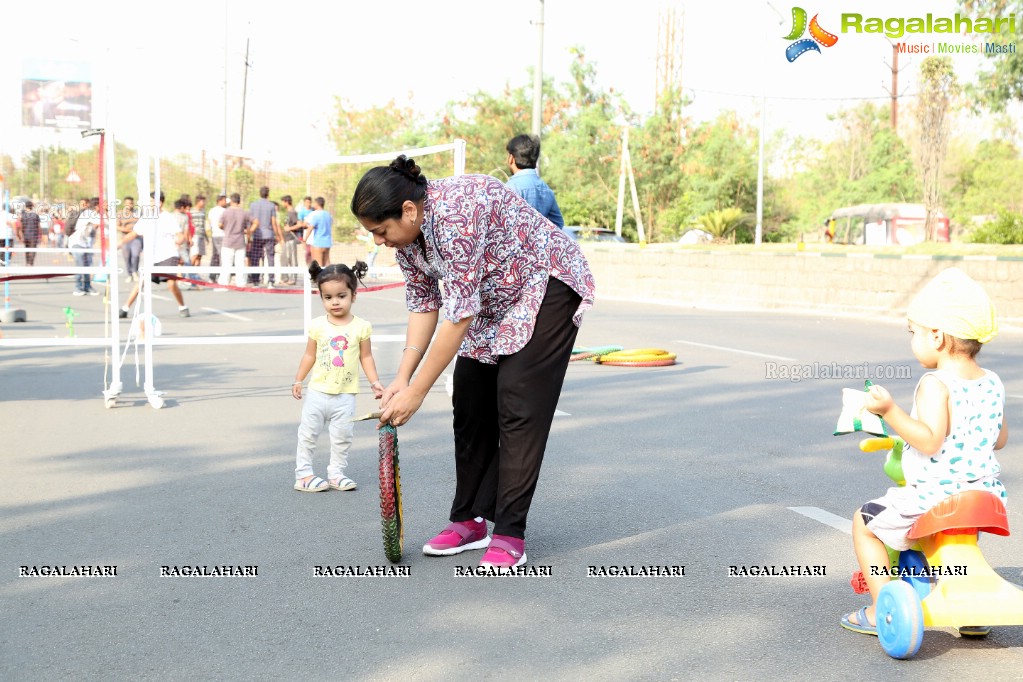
x=621 y=183
x=759 y=237
x=760 y=173
x=148 y=253
x=459 y=157
x=635 y=196
x=538 y=75
x=224 y=157
x=113 y=284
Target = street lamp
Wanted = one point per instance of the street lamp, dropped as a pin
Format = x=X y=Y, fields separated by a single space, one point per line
x=759 y=237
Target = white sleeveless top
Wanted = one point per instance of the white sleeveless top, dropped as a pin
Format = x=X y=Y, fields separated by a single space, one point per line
x=966 y=459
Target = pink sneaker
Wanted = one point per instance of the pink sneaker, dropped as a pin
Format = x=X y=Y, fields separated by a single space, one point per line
x=504 y=552
x=457 y=538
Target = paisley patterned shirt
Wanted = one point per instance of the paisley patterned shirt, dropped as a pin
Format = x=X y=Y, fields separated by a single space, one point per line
x=489 y=256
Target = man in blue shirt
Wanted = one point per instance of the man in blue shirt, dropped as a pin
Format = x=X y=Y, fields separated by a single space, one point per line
x=523 y=153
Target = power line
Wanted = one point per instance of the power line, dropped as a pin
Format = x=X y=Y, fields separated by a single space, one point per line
x=796 y=98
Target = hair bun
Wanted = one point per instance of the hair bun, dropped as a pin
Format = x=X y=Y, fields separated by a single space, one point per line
x=408 y=168
x=315 y=270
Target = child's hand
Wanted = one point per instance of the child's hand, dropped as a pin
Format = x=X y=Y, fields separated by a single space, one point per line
x=878 y=400
x=296 y=390
x=378 y=390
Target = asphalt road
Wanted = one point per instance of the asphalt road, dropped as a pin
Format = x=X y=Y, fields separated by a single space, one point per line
x=694 y=465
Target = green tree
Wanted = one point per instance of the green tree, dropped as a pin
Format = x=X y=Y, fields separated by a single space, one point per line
x=1003 y=82
x=987 y=182
x=657 y=151
x=486 y=122
x=865 y=163
x=721 y=164
x=938 y=92
x=584 y=147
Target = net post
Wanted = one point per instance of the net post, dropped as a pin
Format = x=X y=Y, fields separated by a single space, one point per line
x=459 y=156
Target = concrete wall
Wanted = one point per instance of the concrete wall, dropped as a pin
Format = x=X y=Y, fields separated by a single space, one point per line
x=849 y=283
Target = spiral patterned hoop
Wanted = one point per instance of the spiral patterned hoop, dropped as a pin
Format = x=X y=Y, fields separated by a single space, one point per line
x=391 y=518
x=592 y=353
x=618 y=356
x=640 y=357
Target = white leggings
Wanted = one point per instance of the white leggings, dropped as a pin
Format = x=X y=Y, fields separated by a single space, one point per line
x=334 y=410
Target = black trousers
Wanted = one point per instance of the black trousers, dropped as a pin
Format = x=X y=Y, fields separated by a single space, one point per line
x=503 y=415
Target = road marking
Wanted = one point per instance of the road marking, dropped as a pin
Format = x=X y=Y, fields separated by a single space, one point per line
x=388 y=338
x=1018 y=397
x=737 y=350
x=825 y=517
x=227 y=314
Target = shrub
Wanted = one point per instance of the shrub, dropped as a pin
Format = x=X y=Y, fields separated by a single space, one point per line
x=1006 y=229
x=721 y=224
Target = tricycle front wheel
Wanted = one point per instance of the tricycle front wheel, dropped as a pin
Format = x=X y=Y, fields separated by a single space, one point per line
x=900 y=620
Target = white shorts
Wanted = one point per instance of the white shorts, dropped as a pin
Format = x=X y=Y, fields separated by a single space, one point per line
x=891 y=517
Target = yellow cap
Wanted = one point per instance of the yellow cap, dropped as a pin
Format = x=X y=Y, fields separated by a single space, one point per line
x=955 y=304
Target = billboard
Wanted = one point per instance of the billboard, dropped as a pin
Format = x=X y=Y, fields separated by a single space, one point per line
x=56 y=94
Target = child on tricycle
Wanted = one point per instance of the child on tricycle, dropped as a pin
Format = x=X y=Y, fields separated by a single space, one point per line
x=951 y=434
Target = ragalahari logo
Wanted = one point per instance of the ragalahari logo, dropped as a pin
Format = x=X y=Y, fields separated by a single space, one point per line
x=817 y=35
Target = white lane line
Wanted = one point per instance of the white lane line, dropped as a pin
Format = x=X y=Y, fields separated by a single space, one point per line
x=233 y=316
x=737 y=350
x=1017 y=397
x=388 y=338
x=825 y=517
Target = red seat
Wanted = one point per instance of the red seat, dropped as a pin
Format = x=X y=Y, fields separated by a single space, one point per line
x=966 y=512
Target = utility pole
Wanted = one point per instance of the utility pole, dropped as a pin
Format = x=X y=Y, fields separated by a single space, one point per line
x=894 y=92
x=224 y=156
x=895 y=89
x=669 y=53
x=538 y=75
x=245 y=93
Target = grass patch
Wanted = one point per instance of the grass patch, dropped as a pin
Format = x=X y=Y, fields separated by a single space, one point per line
x=924 y=249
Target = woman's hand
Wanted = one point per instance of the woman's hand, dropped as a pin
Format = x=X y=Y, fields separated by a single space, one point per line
x=392 y=389
x=399 y=406
x=296 y=390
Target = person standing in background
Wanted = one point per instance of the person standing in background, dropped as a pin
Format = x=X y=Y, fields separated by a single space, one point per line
x=321 y=233
x=289 y=245
x=303 y=212
x=132 y=251
x=236 y=223
x=523 y=155
x=265 y=234
x=216 y=214
x=80 y=243
x=198 y=216
x=28 y=231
